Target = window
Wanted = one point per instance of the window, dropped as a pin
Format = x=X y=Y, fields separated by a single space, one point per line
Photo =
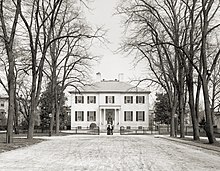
x=139 y=99
x=79 y=99
x=2 y=104
x=128 y=99
x=91 y=99
x=140 y=116
x=109 y=99
x=79 y=116
x=128 y=115
x=91 y=116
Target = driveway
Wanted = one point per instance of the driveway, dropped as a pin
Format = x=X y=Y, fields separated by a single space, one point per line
x=123 y=153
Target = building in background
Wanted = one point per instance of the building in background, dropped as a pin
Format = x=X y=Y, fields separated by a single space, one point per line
x=3 y=112
x=110 y=101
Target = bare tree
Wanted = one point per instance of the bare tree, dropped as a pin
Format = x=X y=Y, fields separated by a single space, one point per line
x=8 y=37
x=151 y=33
x=39 y=26
x=182 y=28
x=69 y=59
x=48 y=28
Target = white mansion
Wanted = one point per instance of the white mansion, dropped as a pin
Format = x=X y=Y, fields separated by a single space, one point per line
x=110 y=101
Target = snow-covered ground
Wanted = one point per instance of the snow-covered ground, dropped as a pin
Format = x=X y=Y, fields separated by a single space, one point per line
x=122 y=153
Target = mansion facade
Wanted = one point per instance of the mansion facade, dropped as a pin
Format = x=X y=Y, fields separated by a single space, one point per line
x=110 y=101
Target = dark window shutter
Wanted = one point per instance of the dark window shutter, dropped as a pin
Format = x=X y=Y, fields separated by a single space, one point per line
x=75 y=115
x=124 y=116
x=95 y=116
x=87 y=115
x=94 y=99
x=88 y=99
x=82 y=99
x=131 y=99
x=143 y=116
x=75 y=99
x=124 y=99
x=136 y=115
x=106 y=99
x=143 y=99
x=113 y=99
x=82 y=115
x=137 y=99
x=131 y=115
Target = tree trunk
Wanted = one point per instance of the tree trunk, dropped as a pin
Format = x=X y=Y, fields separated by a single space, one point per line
x=173 y=112
x=54 y=95
x=31 y=122
x=192 y=110
x=52 y=120
x=213 y=100
x=205 y=76
x=208 y=125
x=58 y=104
x=11 y=109
x=197 y=98
x=172 y=128
x=189 y=75
x=16 y=126
x=57 y=119
x=33 y=107
x=181 y=98
x=182 y=125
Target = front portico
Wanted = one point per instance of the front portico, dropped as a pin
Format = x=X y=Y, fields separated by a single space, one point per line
x=109 y=114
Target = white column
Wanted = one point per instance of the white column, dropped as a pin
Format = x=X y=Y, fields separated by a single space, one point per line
x=119 y=117
x=116 y=119
x=72 y=118
x=85 y=116
x=104 y=122
x=100 y=117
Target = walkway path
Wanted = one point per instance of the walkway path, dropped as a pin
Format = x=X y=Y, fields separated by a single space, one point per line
x=122 y=153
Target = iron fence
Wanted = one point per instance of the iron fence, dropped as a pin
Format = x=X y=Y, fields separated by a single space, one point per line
x=138 y=130
x=85 y=130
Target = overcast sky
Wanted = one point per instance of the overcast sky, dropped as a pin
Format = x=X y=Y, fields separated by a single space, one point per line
x=111 y=63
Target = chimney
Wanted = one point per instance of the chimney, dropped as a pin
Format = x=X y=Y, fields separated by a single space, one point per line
x=120 y=77
x=98 y=77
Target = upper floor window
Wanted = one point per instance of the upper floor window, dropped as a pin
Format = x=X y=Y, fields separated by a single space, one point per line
x=140 y=115
x=79 y=99
x=91 y=99
x=109 y=99
x=2 y=104
x=128 y=116
x=79 y=116
x=140 y=99
x=91 y=116
x=128 y=99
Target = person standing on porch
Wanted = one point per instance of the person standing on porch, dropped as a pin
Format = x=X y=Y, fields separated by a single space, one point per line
x=112 y=127
x=108 y=129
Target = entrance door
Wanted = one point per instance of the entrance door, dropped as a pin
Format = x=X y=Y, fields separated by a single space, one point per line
x=110 y=116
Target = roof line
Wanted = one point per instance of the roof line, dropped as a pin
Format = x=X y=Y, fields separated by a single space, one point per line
x=81 y=92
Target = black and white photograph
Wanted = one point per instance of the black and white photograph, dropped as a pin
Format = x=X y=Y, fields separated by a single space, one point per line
x=109 y=85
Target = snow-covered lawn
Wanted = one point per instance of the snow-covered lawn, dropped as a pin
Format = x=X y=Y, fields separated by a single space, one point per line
x=122 y=153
